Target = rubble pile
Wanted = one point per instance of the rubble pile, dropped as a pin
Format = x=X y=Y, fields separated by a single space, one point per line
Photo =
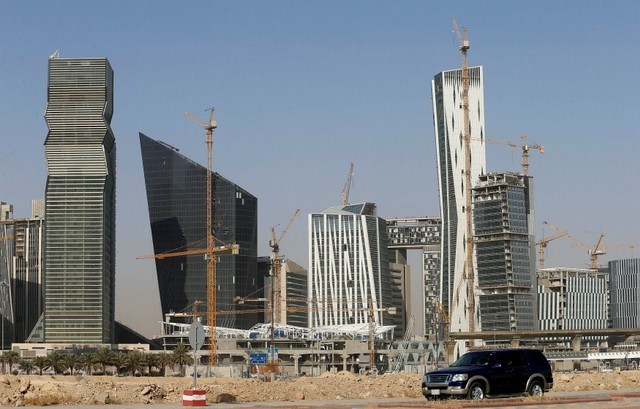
x=50 y=390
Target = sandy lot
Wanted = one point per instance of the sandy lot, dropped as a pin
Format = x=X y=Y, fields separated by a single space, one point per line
x=47 y=389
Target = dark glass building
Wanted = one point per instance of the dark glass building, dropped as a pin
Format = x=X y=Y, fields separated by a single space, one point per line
x=176 y=195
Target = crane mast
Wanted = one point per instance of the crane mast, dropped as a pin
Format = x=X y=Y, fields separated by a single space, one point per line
x=211 y=258
x=466 y=136
x=276 y=285
x=347 y=186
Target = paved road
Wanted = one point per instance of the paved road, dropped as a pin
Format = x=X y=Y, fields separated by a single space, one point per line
x=627 y=399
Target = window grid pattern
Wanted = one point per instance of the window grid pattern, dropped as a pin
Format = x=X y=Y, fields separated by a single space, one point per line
x=80 y=202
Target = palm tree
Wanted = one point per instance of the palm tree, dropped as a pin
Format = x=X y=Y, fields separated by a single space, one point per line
x=27 y=365
x=41 y=363
x=103 y=357
x=120 y=361
x=70 y=361
x=135 y=362
x=87 y=360
x=11 y=357
x=165 y=359
x=55 y=360
x=181 y=356
x=150 y=360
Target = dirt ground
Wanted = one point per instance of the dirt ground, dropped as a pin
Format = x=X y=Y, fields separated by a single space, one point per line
x=48 y=390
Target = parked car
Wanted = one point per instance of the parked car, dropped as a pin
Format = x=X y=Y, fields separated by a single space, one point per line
x=491 y=373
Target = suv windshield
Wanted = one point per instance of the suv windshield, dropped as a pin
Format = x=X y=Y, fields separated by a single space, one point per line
x=480 y=358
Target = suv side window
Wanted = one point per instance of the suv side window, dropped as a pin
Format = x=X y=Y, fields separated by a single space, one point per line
x=512 y=359
x=536 y=358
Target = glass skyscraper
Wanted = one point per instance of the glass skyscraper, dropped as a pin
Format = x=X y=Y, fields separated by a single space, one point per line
x=176 y=196
x=80 y=202
x=505 y=252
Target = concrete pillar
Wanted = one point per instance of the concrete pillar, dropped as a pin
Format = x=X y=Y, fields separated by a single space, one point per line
x=576 y=343
x=295 y=364
x=344 y=361
x=515 y=342
x=449 y=347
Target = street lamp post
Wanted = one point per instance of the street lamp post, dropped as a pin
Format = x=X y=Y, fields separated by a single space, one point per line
x=3 y=285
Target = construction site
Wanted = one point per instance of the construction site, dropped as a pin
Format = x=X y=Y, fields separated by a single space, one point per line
x=275 y=349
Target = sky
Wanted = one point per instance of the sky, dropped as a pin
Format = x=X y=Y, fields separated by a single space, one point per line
x=303 y=88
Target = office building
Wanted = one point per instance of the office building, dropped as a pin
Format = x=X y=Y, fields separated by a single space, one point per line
x=176 y=196
x=294 y=290
x=422 y=234
x=625 y=292
x=572 y=298
x=505 y=252
x=80 y=202
x=448 y=117
x=349 y=266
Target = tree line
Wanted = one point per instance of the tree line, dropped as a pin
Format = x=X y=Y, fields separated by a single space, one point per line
x=133 y=363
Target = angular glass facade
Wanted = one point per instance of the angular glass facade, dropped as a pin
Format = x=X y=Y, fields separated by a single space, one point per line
x=176 y=196
x=80 y=202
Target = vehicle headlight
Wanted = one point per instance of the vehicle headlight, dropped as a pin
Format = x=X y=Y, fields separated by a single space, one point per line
x=460 y=377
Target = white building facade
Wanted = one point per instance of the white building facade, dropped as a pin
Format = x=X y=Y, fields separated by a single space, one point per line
x=572 y=298
x=448 y=117
x=348 y=266
x=625 y=292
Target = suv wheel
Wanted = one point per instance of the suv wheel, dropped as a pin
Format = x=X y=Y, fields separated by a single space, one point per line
x=535 y=389
x=476 y=391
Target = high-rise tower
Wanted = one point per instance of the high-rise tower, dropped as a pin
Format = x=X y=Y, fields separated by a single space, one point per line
x=80 y=202
x=176 y=191
x=448 y=118
x=505 y=252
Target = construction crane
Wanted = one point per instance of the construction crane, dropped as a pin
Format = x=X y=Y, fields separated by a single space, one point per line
x=347 y=186
x=276 y=284
x=525 y=150
x=598 y=249
x=543 y=245
x=468 y=273
x=211 y=259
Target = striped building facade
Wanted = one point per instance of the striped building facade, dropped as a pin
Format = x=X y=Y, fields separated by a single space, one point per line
x=570 y=298
x=348 y=266
x=80 y=202
x=625 y=293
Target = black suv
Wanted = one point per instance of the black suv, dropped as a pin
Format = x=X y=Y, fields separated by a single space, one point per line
x=491 y=373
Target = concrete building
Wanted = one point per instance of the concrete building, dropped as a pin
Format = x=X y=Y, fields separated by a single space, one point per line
x=448 y=117
x=625 y=293
x=423 y=234
x=176 y=195
x=348 y=266
x=80 y=202
x=571 y=298
x=505 y=252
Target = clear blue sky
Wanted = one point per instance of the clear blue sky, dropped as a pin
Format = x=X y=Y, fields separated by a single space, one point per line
x=304 y=87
